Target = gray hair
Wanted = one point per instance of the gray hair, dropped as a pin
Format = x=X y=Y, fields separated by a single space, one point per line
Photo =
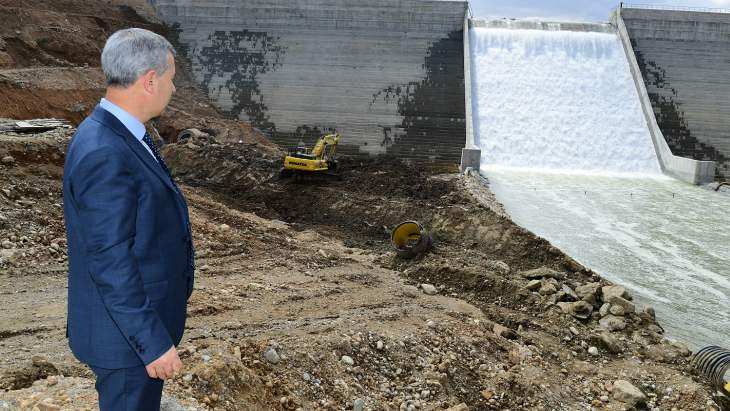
x=130 y=53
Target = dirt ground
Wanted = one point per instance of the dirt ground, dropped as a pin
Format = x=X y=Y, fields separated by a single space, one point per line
x=300 y=302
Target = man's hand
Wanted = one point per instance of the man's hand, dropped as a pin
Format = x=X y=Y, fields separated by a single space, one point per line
x=166 y=366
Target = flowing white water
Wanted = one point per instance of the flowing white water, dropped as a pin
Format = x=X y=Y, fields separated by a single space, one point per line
x=568 y=153
x=557 y=100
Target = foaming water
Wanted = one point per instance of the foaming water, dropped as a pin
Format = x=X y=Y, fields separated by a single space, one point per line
x=666 y=241
x=557 y=100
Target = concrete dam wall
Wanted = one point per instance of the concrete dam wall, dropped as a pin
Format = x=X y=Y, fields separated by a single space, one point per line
x=388 y=75
x=684 y=58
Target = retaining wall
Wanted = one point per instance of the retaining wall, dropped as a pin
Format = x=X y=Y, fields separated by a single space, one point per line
x=684 y=61
x=387 y=74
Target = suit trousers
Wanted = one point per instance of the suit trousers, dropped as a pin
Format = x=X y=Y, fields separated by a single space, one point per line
x=127 y=389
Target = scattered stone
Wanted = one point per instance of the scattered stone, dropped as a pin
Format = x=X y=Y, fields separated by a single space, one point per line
x=573 y=330
x=429 y=289
x=7 y=244
x=206 y=358
x=502 y=331
x=588 y=292
x=610 y=291
x=379 y=345
x=579 y=309
x=608 y=342
x=625 y=392
x=51 y=380
x=487 y=394
x=605 y=309
x=224 y=227
x=410 y=291
x=627 y=305
x=460 y=407
x=358 y=405
x=617 y=310
x=347 y=360
x=548 y=289
x=593 y=351
x=272 y=356
x=612 y=323
x=534 y=285
x=572 y=296
x=498 y=266
x=543 y=272
x=8 y=160
x=648 y=312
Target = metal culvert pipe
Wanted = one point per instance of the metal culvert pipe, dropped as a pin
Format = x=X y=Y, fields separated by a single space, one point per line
x=410 y=239
x=713 y=363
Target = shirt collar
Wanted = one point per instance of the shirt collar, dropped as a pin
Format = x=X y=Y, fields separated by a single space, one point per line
x=130 y=122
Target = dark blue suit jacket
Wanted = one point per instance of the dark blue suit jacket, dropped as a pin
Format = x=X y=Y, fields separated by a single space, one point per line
x=128 y=247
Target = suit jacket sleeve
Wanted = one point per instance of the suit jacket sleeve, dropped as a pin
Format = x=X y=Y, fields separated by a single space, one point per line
x=104 y=191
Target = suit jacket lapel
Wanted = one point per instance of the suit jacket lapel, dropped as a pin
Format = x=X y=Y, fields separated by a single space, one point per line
x=112 y=122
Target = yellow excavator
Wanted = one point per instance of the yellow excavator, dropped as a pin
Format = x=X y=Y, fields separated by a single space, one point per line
x=318 y=161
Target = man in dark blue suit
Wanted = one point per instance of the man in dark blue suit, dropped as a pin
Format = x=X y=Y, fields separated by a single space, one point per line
x=129 y=241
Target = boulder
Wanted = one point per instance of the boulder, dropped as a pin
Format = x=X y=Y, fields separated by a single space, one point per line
x=534 y=285
x=588 y=292
x=627 y=393
x=614 y=291
x=429 y=289
x=627 y=305
x=548 y=289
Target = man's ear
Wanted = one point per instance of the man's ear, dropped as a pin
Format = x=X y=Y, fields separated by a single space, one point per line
x=149 y=81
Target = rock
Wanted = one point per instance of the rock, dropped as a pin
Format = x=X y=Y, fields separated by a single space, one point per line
x=543 y=272
x=614 y=291
x=625 y=392
x=627 y=305
x=578 y=309
x=224 y=227
x=487 y=394
x=617 y=310
x=534 y=285
x=347 y=360
x=429 y=289
x=608 y=342
x=358 y=405
x=51 y=380
x=502 y=331
x=7 y=245
x=272 y=356
x=573 y=330
x=8 y=160
x=605 y=309
x=548 y=289
x=593 y=351
x=612 y=323
x=379 y=345
x=460 y=407
x=410 y=291
x=498 y=266
x=588 y=292
x=648 y=313
x=571 y=295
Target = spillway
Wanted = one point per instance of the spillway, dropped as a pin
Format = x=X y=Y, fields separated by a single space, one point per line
x=557 y=100
x=559 y=123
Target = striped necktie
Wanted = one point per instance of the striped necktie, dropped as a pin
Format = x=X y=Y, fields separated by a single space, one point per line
x=151 y=144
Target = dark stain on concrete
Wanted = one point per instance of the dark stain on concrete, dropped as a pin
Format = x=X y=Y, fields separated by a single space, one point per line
x=433 y=109
x=670 y=117
x=238 y=58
